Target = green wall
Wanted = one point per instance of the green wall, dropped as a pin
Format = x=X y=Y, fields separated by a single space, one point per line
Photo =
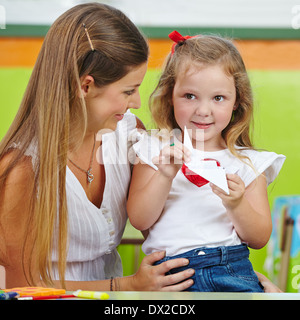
x=277 y=124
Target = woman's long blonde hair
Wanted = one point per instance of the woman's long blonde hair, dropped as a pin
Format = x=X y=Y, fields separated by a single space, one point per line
x=206 y=50
x=53 y=117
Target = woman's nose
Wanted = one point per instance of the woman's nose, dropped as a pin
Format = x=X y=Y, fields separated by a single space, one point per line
x=135 y=101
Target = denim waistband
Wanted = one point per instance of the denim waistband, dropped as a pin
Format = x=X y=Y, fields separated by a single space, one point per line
x=207 y=257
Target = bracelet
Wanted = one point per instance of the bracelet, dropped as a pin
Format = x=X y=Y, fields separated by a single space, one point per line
x=111 y=283
x=114 y=282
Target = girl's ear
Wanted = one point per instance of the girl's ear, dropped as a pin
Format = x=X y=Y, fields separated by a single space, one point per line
x=86 y=82
x=236 y=105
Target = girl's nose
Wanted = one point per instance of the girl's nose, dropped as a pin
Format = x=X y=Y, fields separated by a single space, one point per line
x=203 y=109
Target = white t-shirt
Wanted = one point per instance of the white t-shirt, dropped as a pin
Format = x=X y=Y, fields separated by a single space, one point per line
x=194 y=216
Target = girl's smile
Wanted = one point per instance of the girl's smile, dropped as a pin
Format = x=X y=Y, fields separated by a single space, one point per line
x=202 y=125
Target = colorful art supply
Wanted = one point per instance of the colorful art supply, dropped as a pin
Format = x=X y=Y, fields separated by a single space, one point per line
x=91 y=295
x=9 y=295
x=36 y=291
x=41 y=293
x=52 y=297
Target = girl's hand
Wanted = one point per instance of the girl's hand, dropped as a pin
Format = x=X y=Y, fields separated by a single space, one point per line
x=154 y=278
x=171 y=159
x=236 y=188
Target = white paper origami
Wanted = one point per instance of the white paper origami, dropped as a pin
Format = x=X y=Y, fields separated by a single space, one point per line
x=207 y=169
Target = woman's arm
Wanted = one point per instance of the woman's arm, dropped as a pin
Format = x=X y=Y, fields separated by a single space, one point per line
x=14 y=218
x=248 y=209
x=147 y=278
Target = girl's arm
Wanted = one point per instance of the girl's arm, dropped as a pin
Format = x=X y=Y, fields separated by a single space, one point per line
x=149 y=188
x=248 y=209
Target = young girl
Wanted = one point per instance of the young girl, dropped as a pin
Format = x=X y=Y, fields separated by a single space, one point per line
x=62 y=213
x=204 y=87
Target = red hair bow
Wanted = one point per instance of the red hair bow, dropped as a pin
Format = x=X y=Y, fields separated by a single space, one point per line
x=178 y=39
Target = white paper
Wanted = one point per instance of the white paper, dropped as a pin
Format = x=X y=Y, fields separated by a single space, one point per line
x=207 y=169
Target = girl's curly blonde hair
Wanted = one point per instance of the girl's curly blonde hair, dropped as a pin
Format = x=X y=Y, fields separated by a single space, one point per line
x=207 y=50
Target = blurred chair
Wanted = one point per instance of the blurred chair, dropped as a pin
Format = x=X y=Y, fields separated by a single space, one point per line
x=283 y=257
x=130 y=249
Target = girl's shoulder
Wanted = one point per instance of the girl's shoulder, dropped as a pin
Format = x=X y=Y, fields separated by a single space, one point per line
x=259 y=157
x=261 y=161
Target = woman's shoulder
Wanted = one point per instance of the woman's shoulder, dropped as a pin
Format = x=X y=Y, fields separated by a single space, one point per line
x=16 y=174
x=10 y=156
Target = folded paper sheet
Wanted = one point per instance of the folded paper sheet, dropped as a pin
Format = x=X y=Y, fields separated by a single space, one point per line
x=207 y=169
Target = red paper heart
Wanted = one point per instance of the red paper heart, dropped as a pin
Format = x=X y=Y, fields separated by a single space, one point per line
x=194 y=177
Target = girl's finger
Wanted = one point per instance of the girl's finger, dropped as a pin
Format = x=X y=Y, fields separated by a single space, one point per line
x=234 y=178
x=218 y=191
x=181 y=146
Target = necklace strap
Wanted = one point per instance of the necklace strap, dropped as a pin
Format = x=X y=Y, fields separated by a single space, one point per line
x=90 y=176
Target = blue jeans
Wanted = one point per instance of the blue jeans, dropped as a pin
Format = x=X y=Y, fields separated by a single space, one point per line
x=221 y=269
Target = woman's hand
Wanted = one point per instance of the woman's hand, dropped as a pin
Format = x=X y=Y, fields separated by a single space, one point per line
x=154 y=278
x=269 y=287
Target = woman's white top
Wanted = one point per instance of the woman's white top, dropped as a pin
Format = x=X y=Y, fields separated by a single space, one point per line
x=194 y=216
x=94 y=233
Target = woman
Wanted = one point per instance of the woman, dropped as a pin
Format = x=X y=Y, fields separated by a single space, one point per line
x=62 y=206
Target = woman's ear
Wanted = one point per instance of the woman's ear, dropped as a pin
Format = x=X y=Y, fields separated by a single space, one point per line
x=86 y=82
